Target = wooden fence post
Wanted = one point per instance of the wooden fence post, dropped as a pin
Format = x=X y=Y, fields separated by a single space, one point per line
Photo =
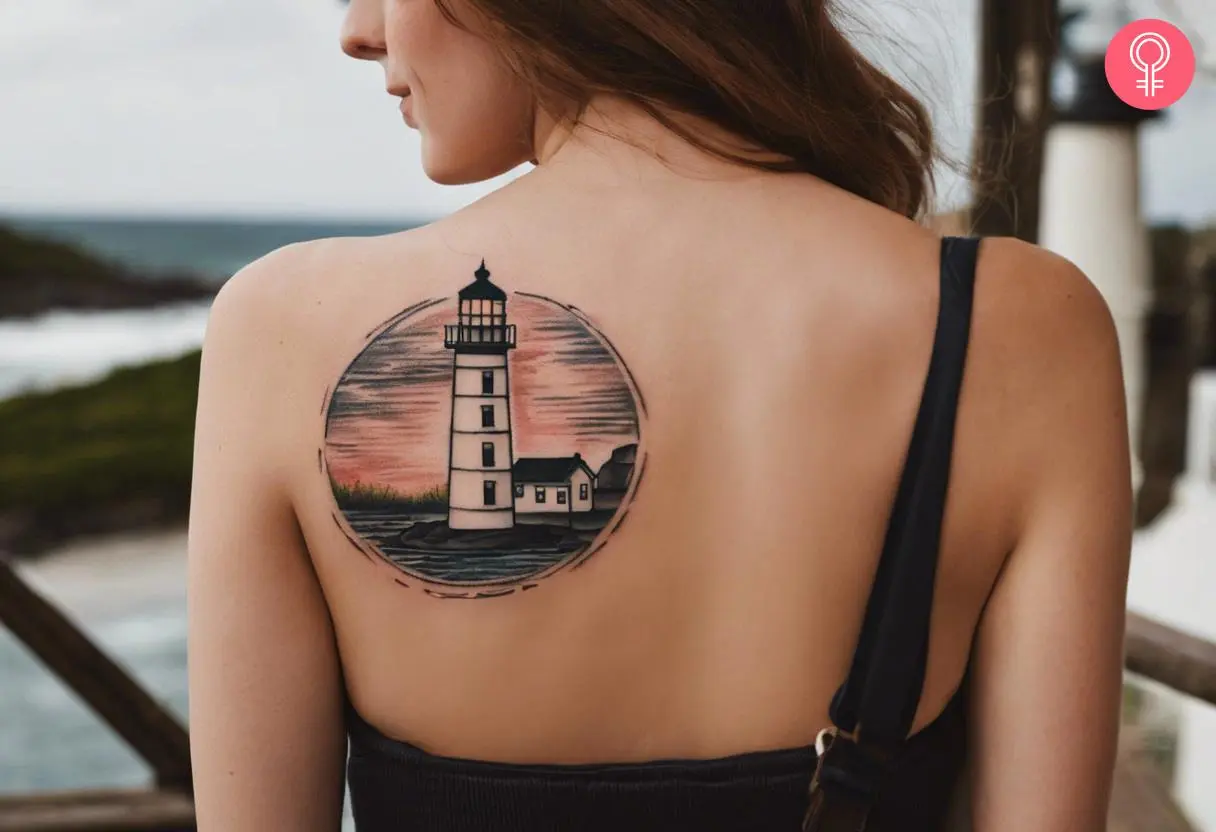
x=1017 y=48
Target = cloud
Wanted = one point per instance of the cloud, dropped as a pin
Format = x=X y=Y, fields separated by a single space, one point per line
x=248 y=106
x=214 y=106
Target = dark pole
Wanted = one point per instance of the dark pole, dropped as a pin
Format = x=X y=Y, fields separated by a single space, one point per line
x=1042 y=36
x=1017 y=48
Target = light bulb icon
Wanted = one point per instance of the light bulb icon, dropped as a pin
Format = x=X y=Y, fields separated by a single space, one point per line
x=1150 y=83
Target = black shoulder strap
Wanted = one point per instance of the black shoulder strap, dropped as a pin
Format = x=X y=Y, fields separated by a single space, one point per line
x=879 y=698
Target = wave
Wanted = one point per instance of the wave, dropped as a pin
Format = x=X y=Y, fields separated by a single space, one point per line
x=62 y=348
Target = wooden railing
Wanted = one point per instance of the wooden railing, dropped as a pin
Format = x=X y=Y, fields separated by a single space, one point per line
x=1141 y=800
x=151 y=731
x=1154 y=651
x=1177 y=660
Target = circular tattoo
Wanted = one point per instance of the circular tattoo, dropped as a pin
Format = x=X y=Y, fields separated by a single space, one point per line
x=481 y=443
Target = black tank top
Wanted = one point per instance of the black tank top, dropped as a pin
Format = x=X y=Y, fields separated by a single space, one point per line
x=397 y=787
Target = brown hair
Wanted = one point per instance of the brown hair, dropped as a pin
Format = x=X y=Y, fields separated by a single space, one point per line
x=779 y=74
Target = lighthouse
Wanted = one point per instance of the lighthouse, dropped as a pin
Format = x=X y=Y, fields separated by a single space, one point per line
x=480 y=487
x=1091 y=188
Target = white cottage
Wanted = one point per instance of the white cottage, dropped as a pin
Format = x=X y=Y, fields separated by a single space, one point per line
x=550 y=485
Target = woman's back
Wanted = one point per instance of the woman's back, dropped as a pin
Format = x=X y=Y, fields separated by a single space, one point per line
x=737 y=359
x=775 y=368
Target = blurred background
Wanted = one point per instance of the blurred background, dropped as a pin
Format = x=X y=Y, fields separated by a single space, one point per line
x=148 y=150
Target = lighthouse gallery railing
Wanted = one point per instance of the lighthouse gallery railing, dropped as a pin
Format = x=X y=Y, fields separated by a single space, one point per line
x=459 y=335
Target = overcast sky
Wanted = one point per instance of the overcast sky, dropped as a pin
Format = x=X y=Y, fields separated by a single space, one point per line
x=248 y=107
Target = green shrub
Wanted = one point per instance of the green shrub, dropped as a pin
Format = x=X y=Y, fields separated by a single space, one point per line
x=127 y=436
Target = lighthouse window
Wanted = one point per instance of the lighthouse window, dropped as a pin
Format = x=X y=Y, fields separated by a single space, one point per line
x=540 y=494
x=487 y=415
x=487 y=454
x=487 y=382
x=561 y=496
x=489 y=492
x=582 y=490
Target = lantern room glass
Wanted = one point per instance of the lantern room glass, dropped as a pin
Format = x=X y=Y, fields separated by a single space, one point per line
x=480 y=312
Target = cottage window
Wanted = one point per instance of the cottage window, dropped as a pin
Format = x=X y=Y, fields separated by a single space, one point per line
x=519 y=491
x=540 y=494
x=583 y=488
x=489 y=492
x=561 y=496
x=487 y=415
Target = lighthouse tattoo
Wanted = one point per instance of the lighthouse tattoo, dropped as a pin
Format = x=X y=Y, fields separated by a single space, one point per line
x=480 y=450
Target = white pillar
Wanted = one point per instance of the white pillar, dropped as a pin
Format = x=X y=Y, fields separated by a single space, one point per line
x=1091 y=215
x=1198 y=481
x=1173 y=580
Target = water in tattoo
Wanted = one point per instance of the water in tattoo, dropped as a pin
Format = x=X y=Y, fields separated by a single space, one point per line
x=483 y=442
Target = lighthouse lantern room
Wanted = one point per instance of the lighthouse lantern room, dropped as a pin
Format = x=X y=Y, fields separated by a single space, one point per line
x=480 y=487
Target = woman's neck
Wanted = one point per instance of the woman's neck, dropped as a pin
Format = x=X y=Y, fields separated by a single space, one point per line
x=620 y=138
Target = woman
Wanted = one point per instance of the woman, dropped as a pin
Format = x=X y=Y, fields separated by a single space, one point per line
x=594 y=504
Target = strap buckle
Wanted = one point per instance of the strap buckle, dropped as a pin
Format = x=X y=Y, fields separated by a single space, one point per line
x=847 y=779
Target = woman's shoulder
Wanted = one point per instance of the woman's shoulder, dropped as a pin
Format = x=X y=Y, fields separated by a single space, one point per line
x=287 y=279
x=1040 y=312
x=286 y=322
x=306 y=297
x=1043 y=375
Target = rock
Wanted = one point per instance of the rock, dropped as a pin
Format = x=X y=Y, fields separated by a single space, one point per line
x=616 y=473
x=39 y=275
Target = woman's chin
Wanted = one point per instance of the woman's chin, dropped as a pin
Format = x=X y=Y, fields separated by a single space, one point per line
x=449 y=169
x=442 y=175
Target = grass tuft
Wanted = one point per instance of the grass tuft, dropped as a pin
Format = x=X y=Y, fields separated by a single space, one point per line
x=360 y=495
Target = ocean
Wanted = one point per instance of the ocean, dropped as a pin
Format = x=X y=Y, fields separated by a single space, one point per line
x=213 y=249
x=128 y=592
x=72 y=347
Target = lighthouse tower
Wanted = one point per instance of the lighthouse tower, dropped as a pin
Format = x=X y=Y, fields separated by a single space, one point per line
x=480 y=491
x=1091 y=188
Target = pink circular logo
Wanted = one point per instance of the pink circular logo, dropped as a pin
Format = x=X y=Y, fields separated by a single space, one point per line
x=1150 y=64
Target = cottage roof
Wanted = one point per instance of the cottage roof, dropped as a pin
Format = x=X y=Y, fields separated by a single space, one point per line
x=482 y=288
x=548 y=469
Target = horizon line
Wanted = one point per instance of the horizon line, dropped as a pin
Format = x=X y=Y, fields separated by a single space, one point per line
x=209 y=215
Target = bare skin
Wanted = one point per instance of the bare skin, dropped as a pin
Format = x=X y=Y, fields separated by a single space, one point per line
x=780 y=330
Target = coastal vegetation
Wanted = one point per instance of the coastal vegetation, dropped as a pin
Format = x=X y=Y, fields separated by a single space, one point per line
x=38 y=275
x=365 y=496
x=108 y=456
